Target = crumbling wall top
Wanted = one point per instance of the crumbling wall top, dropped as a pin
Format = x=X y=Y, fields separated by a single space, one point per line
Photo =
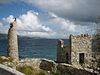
x=13 y=24
x=81 y=36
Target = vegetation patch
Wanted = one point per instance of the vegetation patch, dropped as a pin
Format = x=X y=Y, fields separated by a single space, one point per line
x=29 y=70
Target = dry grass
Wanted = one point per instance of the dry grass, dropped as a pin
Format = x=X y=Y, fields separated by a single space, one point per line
x=29 y=70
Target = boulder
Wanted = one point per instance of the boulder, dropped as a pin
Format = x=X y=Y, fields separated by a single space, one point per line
x=47 y=65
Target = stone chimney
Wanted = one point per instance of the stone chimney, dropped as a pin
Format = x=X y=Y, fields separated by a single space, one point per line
x=13 y=41
x=60 y=54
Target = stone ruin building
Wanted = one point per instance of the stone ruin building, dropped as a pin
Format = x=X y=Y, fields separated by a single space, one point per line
x=96 y=45
x=13 y=41
x=78 y=52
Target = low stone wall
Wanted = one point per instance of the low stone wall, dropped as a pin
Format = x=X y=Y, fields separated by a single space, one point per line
x=4 y=70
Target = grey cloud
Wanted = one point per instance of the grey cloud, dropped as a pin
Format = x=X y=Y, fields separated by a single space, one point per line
x=77 y=10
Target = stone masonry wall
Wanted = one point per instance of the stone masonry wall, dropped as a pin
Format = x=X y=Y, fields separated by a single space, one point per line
x=81 y=44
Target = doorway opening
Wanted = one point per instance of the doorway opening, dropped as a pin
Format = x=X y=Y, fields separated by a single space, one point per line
x=81 y=58
x=67 y=58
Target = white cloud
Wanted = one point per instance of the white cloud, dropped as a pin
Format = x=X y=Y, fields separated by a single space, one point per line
x=9 y=19
x=64 y=24
x=68 y=27
x=29 y=24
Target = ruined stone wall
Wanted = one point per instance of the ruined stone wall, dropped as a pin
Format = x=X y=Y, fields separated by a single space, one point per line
x=96 y=59
x=61 y=52
x=81 y=44
x=13 y=42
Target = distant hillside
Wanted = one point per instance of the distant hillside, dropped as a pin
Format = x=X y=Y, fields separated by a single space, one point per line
x=3 y=36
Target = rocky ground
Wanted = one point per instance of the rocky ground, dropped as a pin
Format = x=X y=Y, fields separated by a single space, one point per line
x=45 y=67
x=49 y=67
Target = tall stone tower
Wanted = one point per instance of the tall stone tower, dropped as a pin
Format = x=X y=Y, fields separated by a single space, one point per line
x=12 y=41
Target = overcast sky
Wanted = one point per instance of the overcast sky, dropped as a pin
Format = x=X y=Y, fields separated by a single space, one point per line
x=50 y=18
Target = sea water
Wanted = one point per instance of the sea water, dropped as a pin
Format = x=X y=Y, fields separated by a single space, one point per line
x=33 y=48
